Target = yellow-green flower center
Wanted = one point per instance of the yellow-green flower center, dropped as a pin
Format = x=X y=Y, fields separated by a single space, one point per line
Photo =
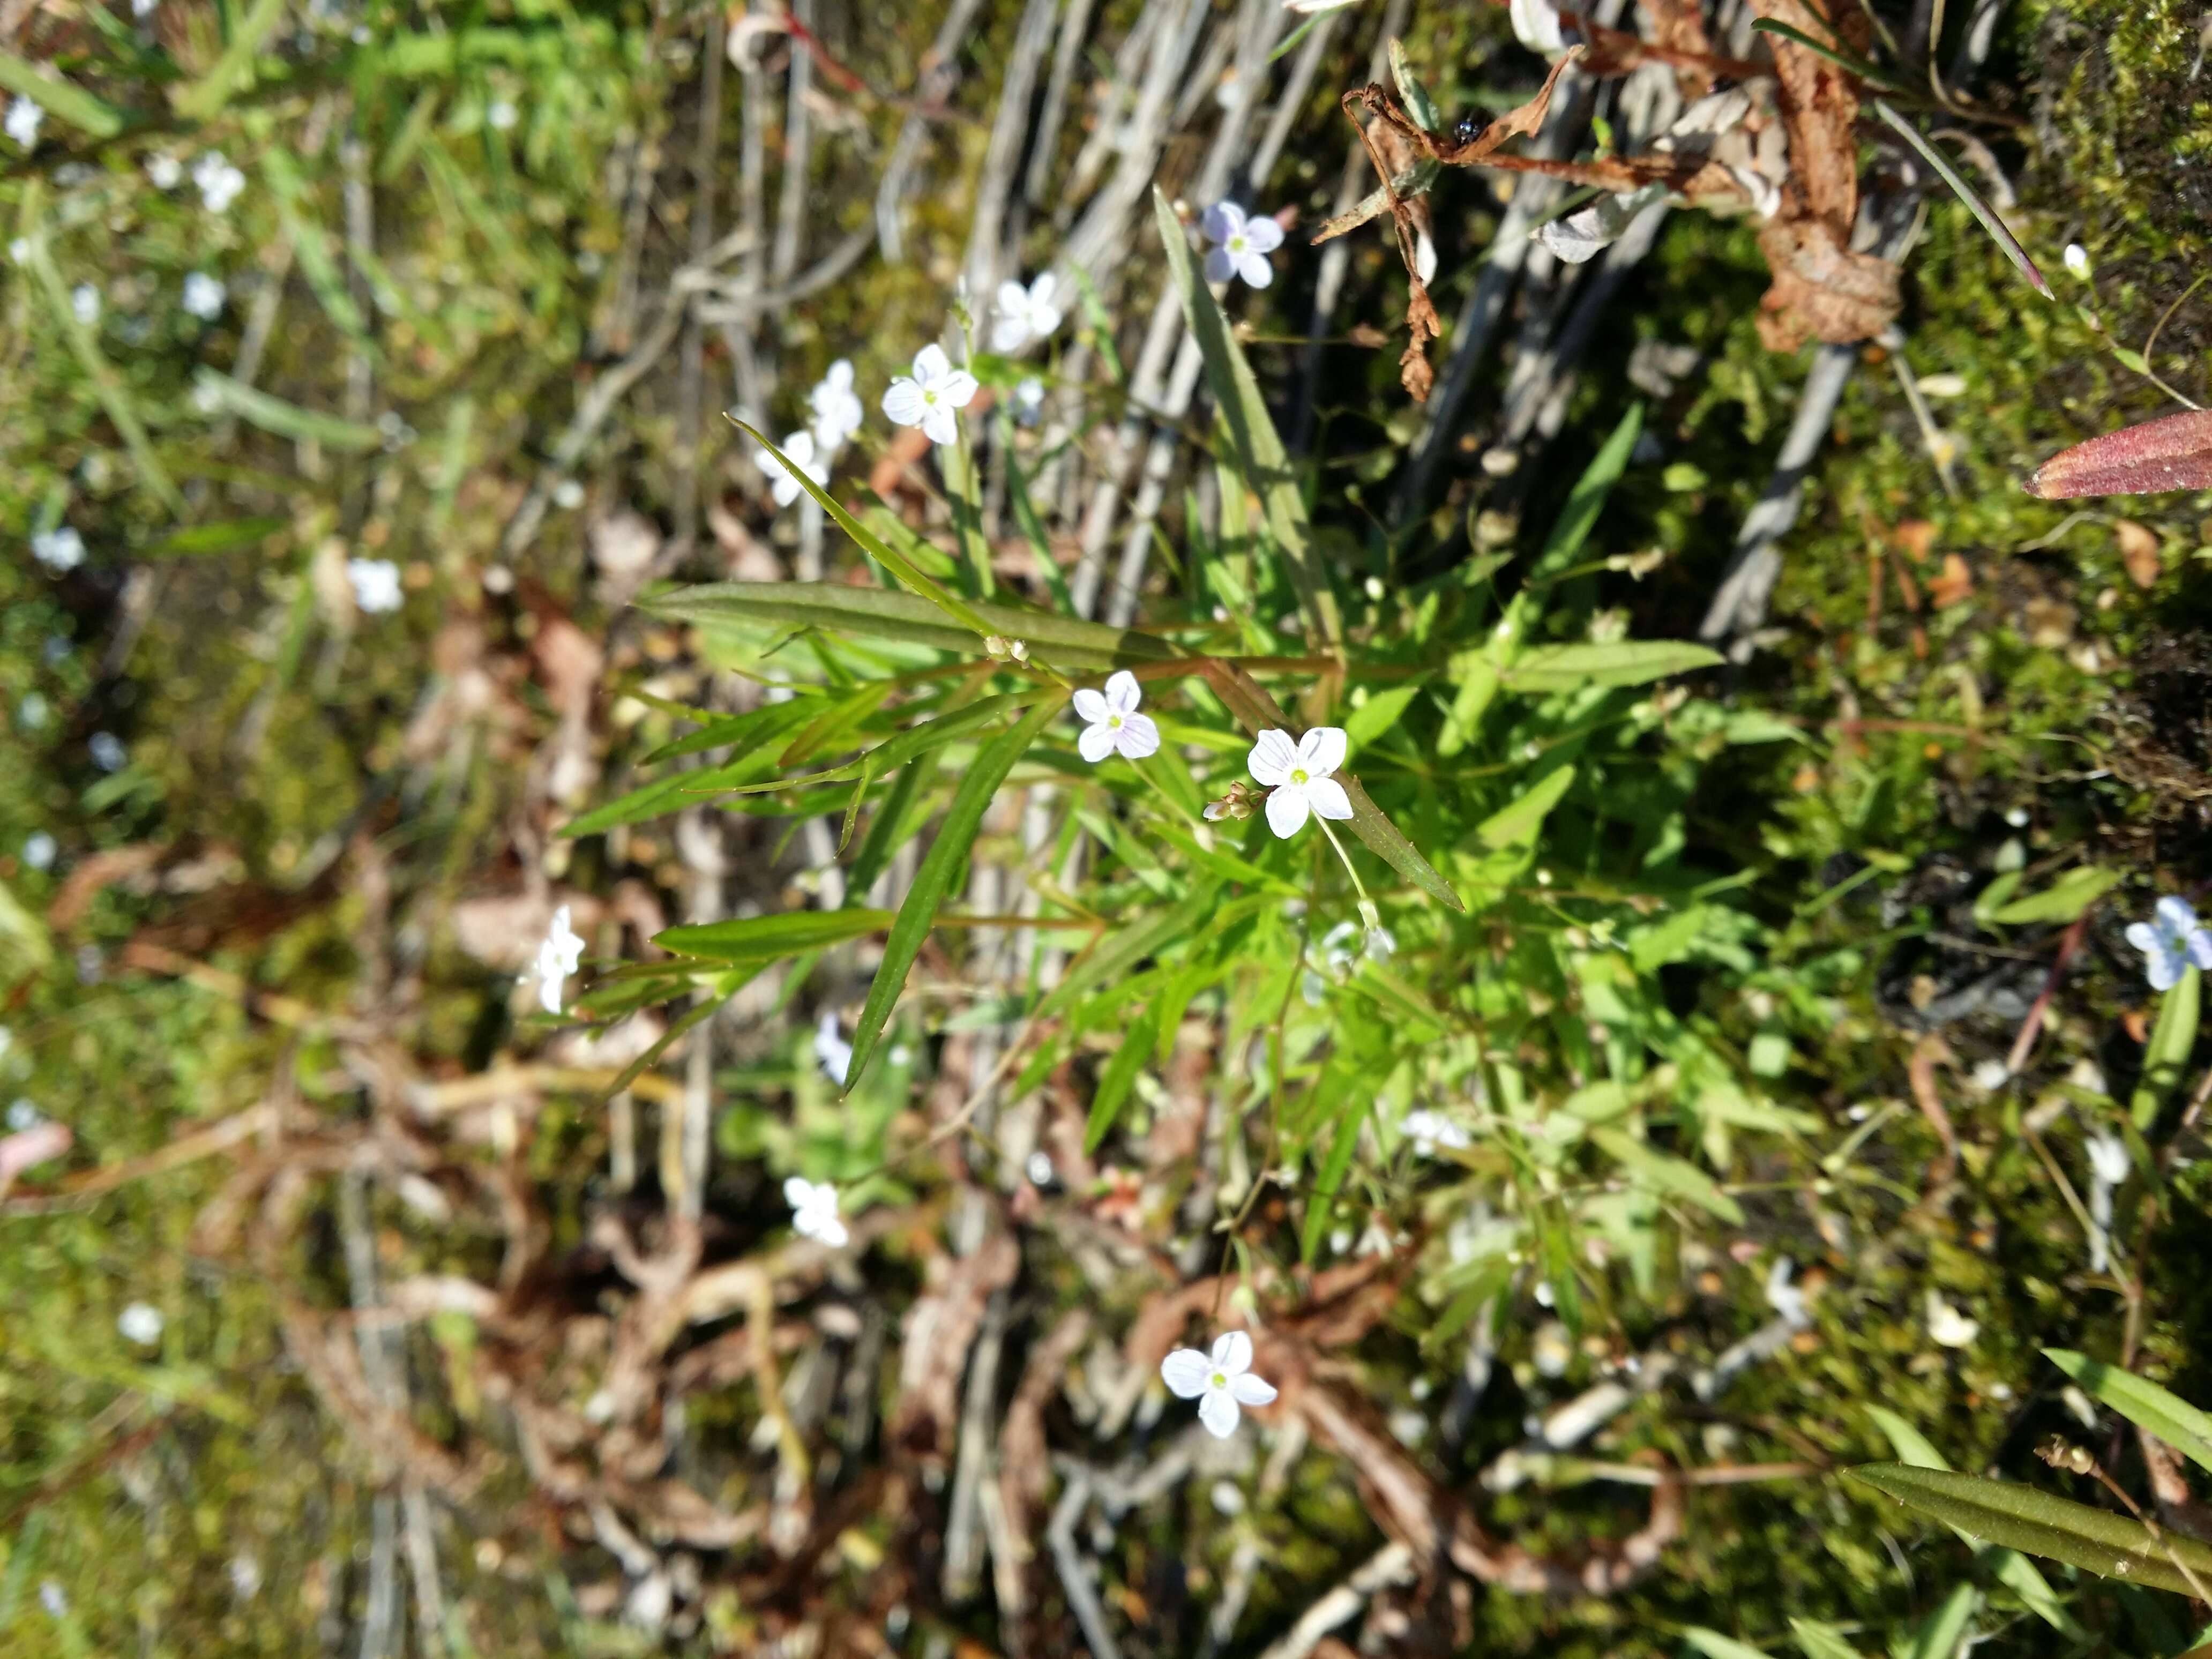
x=1298 y=774
x=1219 y=1379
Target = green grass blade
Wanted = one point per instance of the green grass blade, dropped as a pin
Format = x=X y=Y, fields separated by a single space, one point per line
x=1624 y=662
x=1260 y=453
x=1939 y=1634
x=1587 y=500
x=1871 y=74
x=203 y=99
x=63 y=100
x=2006 y=242
x=933 y=879
x=1662 y=1173
x=226 y=536
x=284 y=420
x=770 y=939
x=1711 y=1644
x=2171 y=1041
x=1119 y=1075
x=2039 y=1523
x=2143 y=1403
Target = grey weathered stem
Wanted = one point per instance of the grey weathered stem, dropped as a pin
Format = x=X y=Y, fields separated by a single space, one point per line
x=972 y=1466
x=691 y=358
x=1074 y=1571
x=1074 y=24
x=798 y=147
x=941 y=70
x=995 y=187
x=1391 y=1565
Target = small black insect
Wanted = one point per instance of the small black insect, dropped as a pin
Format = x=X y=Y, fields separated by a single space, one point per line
x=1468 y=129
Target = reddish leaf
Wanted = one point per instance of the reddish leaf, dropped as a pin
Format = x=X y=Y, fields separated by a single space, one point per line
x=2172 y=453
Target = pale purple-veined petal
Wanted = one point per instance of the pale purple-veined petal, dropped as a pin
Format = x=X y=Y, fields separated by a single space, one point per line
x=549 y=984
x=1009 y=332
x=1014 y=300
x=1232 y=1352
x=1092 y=709
x=1095 y=742
x=930 y=363
x=1255 y=269
x=1262 y=234
x=2200 y=948
x=1138 y=737
x=1287 y=810
x=957 y=388
x=1218 y=1411
x=831 y=1230
x=1123 y=693
x=798 y=1192
x=1273 y=756
x=902 y=402
x=2164 y=970
x=1186 y=1371
x=1220 y=266
x=785 y=490
x=1321 y=751
x=2143 y=936
x=840 y=376
x=1222 y=221
x=941 y=425
x=2176 y=915
x=1326 y=797
x=1041 y=293
x=1249 y=1390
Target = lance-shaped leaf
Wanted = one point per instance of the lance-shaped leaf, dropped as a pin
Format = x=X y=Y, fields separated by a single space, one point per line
x=1260 y=456
x=884 y=613
x=1624 y=662
x=2171 y=1042
x=2006 y=242
x=1119 y=1075
x=284 y=420
x=1660 y=1172
x=63 y=100
x=747 y=738
x=933 y=881
x=770 y=939
x=1248 y=701
x=2172 y=452
x=2143 y=1403
x=2115 y=1546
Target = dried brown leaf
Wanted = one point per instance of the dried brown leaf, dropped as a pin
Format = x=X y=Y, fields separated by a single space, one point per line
x=2172 y=452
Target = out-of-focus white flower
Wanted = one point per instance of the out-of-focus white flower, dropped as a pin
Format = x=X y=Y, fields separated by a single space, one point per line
x=39 y=850
x=500 y=113
x=141 y=1322
x=836 y=409
x=1029 y=400
x=814 y=1211
x=84 y=303
x=1297 y=774
x=107 y=751
x=933 y=395
x=783 y=481
x=52 y=1598
x=375 y=585
x=2171 y=944
x=2109 y=1167
x=1784 y=1298
x=1244 y=243
x=1947 y=1326
x=219 y=182
x=1221 y=1382
x=22 y=1115
x=560 y=956
x=24 y=118
x=1536 y=25
x=1039 y=1170
x=204 y=295
x=32 y=710
x=59 y=549
x=163 y=170
x=1309 y=7
x=1112 y=725
x=1023 y=314
x=832 y=1051
x=1430 y=1130
x=567 y=494
x=245 y=1577
x=2077 y=260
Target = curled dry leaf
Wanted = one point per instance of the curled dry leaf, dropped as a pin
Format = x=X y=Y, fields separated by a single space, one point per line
x=2138 y=551
x=2172 y=452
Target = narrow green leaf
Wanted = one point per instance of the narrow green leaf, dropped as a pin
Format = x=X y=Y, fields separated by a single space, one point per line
x=2143 y=1402
x=769 y=939
x=887 y=614
x=63 y=100
x=874 y=545
x=1817 y=1639
x=1261 y=455
x=1625 y=662
x=1517 y=824
x=290 y=189
x=226 y=536
x=1858 y=66
x=1123 y=948
x=273 y=415
x=1330 y=1181
x=2007 y=244
x=2064 y=900
x=1116 y=1080
x=1713 y=1646
x=1940 y=1633
x=1911 y=1445
x=1378 y=714
x=203 y=99
x=2058 y=1529
x=885 y=833
x=1664 y=1173
x=748 y=761
x=1418 y=104
x=2171 y=1041
x=933 y=879
x=1587 y=499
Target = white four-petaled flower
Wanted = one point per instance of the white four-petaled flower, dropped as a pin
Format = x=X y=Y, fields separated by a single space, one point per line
x=2077 y=260
x=1950 y=1327
x=24 y=118
x=1023 y=314
x=783 y=481
x=84 y=302
x=203 y=295
x=59 y=549
x=814 y=1211
x=219 y=182
x=141 y=1322
x=2171 y=944
x=2109 y=1164
x=1298 y=774
x=1429 y=1130
x=836 y=409
x=931 y=396
x=1221 y=1382
x=1537 y=24
x=375 y=585
x=164 y=170
x=1112 y=725
x=1245 y=245
x=1784 y=1298
x=560 y=956
x=1029 y=400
